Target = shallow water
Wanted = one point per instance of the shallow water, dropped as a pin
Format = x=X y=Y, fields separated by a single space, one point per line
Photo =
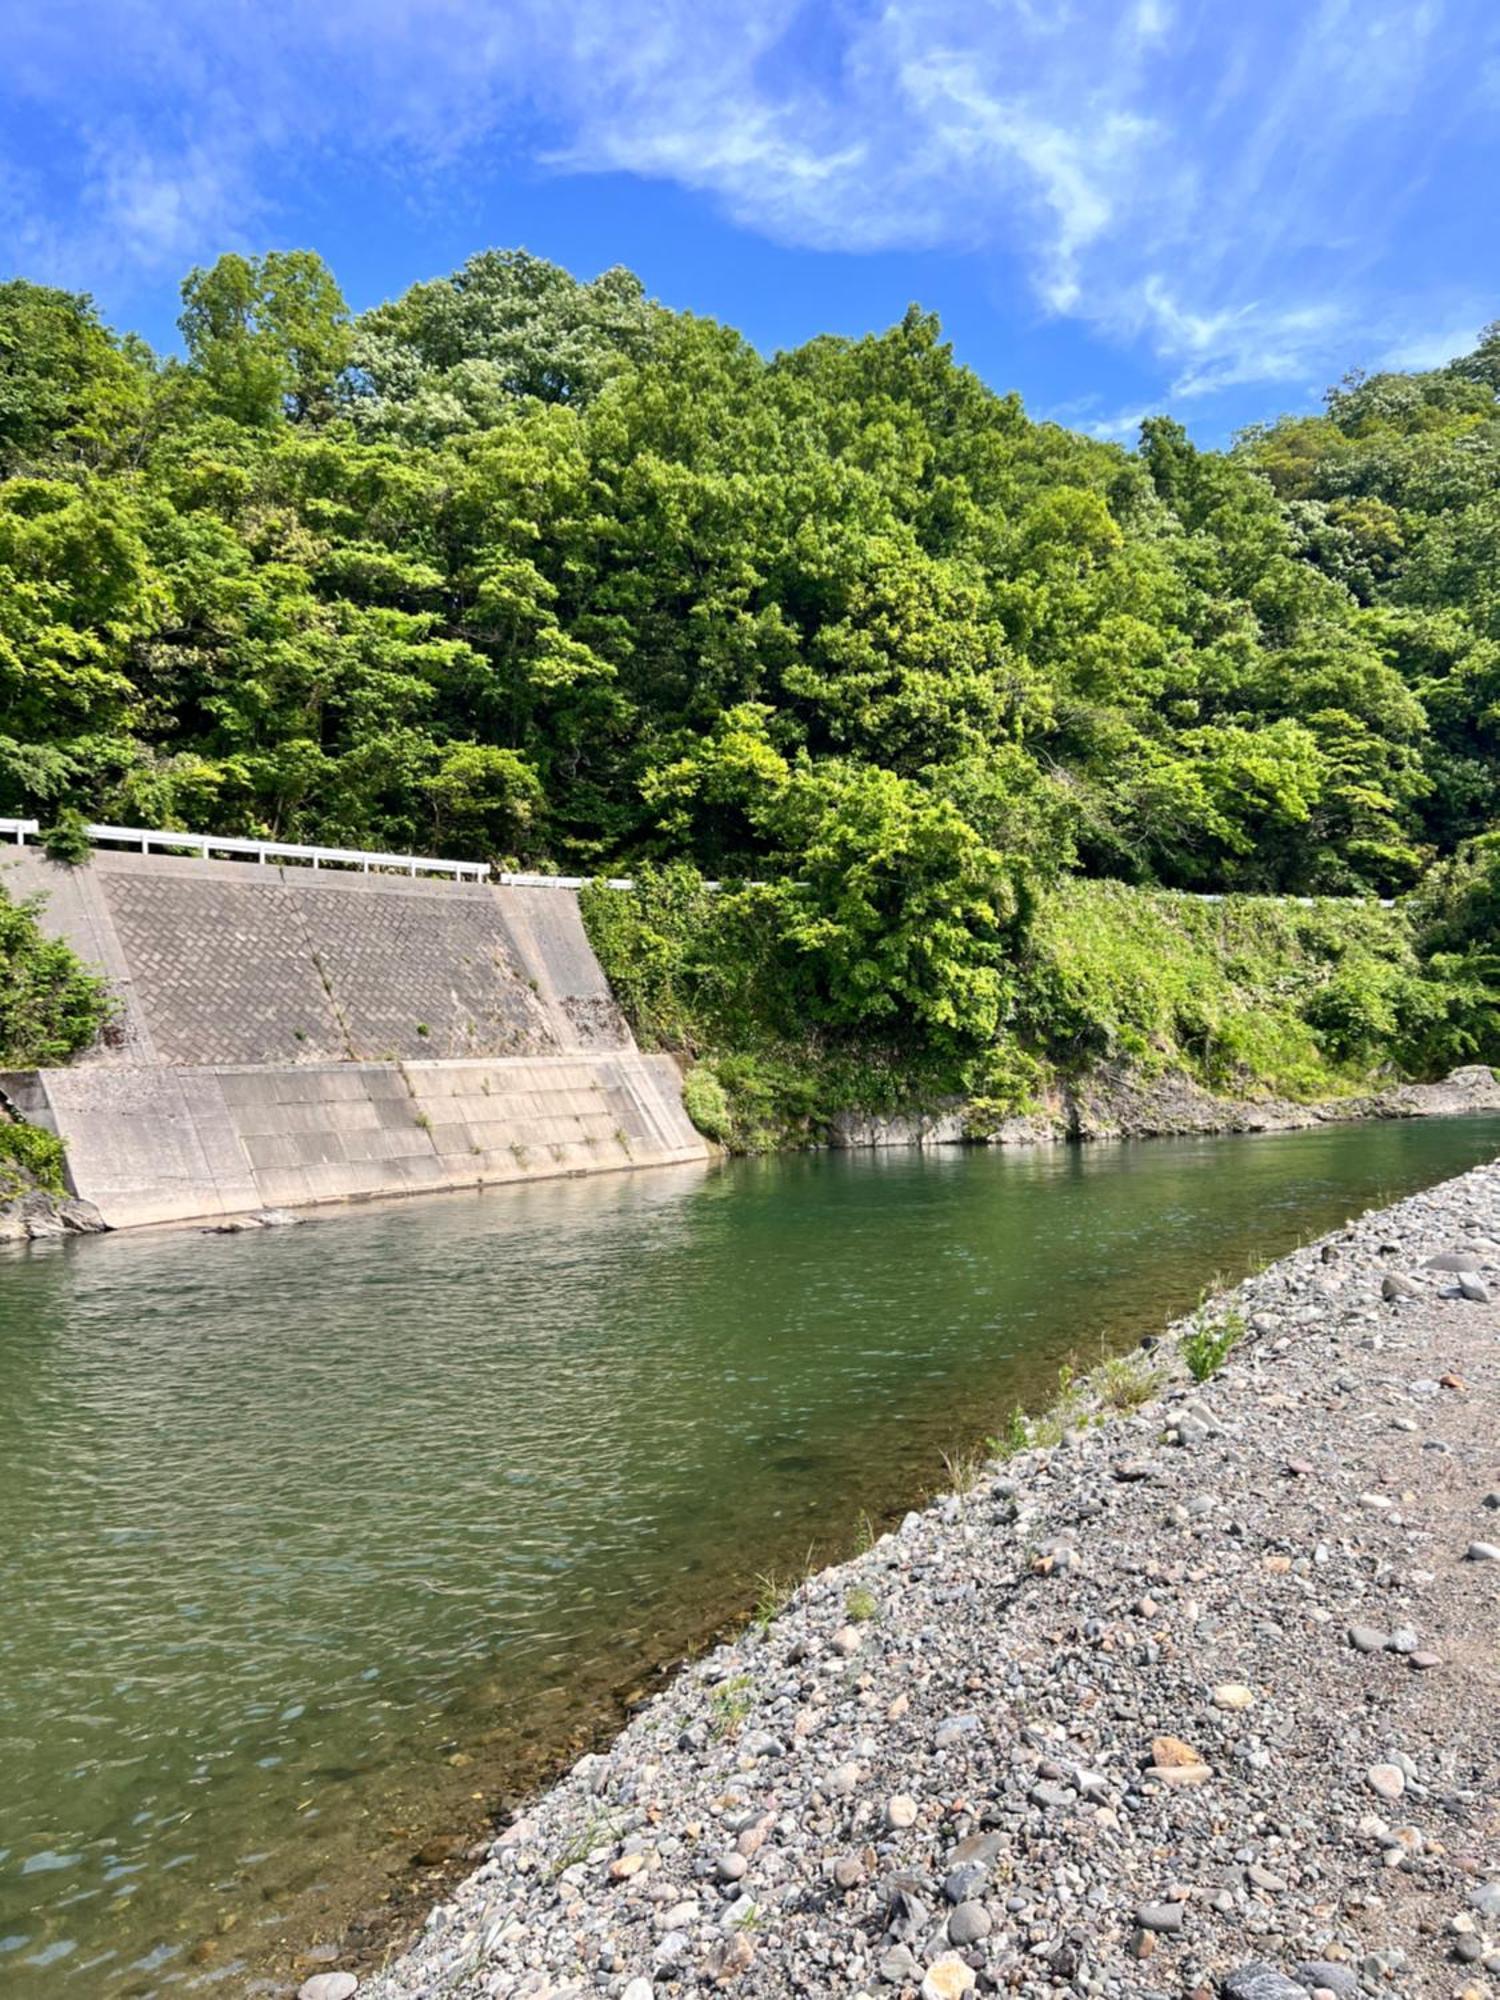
x=311 y=1540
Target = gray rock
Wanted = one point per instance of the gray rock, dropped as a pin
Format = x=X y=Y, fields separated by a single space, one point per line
x=328 y=1986
x=1332 y=1977
x=898 y=1967
x=1473 y=1289
x=1394 y=1286
x=982 y=1848
x=1259 y=1981
x=81 y=1216
x=1485 y=1897
x=761 y=1743
x=969 y=1923
x=1452 y=1260
x=1159 y=1916
x=965 y=1883
x=1366 y=1639
x=1483 y=1552
x=1403 y=1640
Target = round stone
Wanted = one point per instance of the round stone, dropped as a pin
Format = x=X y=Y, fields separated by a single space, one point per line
x=1388 y=1780
x=328 y=1986
x=900 y=1811
x=968 y=1923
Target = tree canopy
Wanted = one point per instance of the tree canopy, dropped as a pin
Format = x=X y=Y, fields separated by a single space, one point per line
x=525 y=567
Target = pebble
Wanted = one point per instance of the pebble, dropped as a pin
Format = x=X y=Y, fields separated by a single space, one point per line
x=948 y=1978
x=1473 y=1289
x=1232 y=1695
x=1326 y=1975
x=1259 y=1981
x=1366 y=1639
x=328 y=1986
x=969 y=1923
x=1389 y=1780
x=1159 y=1916
x=1483 y=1552
x=638 y=1989
x=900 y=1811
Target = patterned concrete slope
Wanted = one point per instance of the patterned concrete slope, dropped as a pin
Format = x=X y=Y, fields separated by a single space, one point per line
x=286 y=1037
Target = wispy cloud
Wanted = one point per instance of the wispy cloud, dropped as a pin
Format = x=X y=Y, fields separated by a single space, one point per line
x=1224 y=191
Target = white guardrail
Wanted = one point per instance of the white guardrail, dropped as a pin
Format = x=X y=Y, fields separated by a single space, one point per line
x=168 y=840
x=147 y=838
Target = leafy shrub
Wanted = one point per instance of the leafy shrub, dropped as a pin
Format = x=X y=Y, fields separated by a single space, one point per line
x=706 y=1103
x=51 y=1005
x=1207 y=1343
x=30 y=1157
x=67 y=840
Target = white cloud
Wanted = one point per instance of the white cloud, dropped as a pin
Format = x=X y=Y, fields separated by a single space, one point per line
x=1219 y=188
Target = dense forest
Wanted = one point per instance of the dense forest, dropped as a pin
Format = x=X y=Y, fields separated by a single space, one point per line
x=531 y=569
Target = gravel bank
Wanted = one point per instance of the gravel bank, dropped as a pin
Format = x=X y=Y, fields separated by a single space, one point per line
x=1202 y=1699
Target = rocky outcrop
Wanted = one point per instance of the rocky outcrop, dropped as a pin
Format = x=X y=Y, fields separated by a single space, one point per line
x=29 y=1217
x=1118 y=1102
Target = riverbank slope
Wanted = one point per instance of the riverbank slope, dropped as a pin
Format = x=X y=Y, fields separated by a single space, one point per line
x=1177 y=1690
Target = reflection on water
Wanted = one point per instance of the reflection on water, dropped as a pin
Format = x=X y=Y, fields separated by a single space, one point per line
x=309 y=1540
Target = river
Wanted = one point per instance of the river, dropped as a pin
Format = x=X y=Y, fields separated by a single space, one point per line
x=316 y=1543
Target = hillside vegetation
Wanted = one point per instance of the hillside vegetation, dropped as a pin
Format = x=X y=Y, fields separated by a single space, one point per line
x=534 y=570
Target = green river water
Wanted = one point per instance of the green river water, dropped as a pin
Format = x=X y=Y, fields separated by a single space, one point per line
x=317 y=1543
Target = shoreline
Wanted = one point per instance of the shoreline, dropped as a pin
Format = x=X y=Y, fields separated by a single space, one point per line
x=1108 y=1105
x=787 y=1815
x=1116 y=1102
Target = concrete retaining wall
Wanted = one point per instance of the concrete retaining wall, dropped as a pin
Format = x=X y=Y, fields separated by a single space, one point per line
x=287 y=1037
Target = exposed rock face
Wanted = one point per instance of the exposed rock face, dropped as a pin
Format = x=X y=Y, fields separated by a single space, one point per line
x=37 y=1214
x=1116 y=1102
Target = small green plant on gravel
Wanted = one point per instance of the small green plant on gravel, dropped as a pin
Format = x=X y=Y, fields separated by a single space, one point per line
x=1207 y=1343
x=602 y=1830
x=860 y=1604
x=775 y=1591
x=965 y=1469
x=729 y=1704
x=866 y=1534
x=1125 y=1381
x=1015 y=1437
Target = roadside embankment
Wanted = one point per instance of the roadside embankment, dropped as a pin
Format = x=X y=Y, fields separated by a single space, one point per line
x=1193 y=1692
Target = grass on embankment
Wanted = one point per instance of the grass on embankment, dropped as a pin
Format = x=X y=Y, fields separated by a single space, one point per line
x=1248 y=997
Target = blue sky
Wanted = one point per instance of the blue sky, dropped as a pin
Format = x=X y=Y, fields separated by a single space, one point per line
x=1117 y=206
